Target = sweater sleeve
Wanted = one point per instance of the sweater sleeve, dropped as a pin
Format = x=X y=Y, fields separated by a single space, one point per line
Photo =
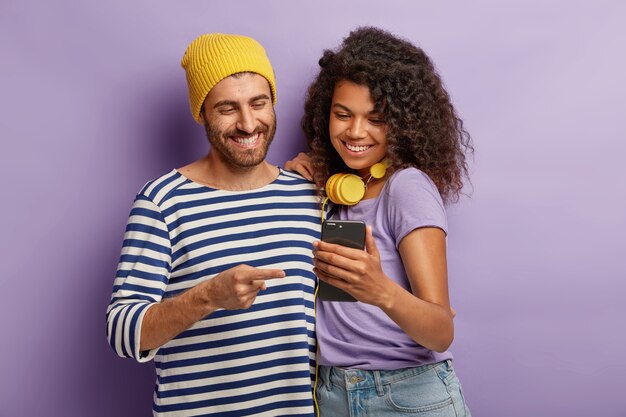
x=142 y=277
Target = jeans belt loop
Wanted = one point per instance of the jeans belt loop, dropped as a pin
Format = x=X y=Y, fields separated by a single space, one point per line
x=380 y=390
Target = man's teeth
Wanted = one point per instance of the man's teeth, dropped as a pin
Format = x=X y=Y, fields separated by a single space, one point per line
x=247 y=140
x=357 y=148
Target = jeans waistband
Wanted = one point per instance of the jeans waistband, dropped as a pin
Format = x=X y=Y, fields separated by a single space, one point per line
x=353 y=379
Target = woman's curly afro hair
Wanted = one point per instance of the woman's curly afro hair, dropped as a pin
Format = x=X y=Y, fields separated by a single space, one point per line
x=423 y=129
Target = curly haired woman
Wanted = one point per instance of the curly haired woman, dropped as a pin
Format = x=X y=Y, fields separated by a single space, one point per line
x=379 y=98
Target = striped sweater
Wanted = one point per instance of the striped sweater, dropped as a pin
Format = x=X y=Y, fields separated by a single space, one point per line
x=254 y=362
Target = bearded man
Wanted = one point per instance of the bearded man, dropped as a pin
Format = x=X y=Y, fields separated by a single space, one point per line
x=215 y=280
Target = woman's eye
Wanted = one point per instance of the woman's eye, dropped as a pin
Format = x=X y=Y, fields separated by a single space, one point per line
x=377 y=122
x=342 y=116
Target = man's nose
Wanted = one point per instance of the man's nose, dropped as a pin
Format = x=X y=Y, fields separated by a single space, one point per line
x=246 y=122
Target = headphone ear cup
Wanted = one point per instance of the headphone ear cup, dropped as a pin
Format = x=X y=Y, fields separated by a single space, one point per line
x=351 y=190
x=330 y=187
x=379 y=169
x=345 y=189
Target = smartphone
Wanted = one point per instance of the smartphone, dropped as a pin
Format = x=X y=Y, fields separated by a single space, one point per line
x=341 y=232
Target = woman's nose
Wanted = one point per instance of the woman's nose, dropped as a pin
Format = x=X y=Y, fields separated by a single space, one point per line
x=357 y=129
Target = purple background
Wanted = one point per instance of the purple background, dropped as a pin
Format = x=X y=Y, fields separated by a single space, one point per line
x=93 y=104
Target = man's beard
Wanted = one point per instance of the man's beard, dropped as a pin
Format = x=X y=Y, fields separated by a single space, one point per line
x=241 y=158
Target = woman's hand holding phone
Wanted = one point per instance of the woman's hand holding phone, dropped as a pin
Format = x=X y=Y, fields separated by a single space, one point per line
x=357 y=272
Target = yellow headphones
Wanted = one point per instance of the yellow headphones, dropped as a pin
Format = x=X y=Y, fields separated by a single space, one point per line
x=349 y=189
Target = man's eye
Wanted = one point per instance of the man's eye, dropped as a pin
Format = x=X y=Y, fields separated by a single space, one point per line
x=259 y=105
x=227 y=110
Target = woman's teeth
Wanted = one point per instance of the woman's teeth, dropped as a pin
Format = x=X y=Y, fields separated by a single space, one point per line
x=357 y=148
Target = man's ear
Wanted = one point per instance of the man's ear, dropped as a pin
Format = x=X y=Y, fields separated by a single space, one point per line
x=202 y=115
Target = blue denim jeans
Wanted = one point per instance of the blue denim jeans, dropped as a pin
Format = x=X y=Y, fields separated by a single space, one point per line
x=429 y=390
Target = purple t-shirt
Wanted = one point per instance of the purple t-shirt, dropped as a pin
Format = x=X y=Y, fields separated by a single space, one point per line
x=358 y=335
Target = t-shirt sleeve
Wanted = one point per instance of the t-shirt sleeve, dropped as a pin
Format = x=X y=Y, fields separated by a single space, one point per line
x=414 y=202
x=142 y=276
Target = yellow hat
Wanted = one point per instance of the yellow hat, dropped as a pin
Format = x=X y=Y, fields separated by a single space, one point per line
x=212 y=57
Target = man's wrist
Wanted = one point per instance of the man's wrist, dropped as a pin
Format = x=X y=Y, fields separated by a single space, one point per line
x=201 y=300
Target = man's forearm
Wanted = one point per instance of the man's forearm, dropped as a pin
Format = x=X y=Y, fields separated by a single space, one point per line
x=170 y=317
x=235 y=288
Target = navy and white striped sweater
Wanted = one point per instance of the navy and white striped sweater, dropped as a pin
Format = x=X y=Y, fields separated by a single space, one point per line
x=254 y=362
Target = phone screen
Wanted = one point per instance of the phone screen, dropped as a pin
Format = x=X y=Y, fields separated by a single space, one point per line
x=346 y=233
